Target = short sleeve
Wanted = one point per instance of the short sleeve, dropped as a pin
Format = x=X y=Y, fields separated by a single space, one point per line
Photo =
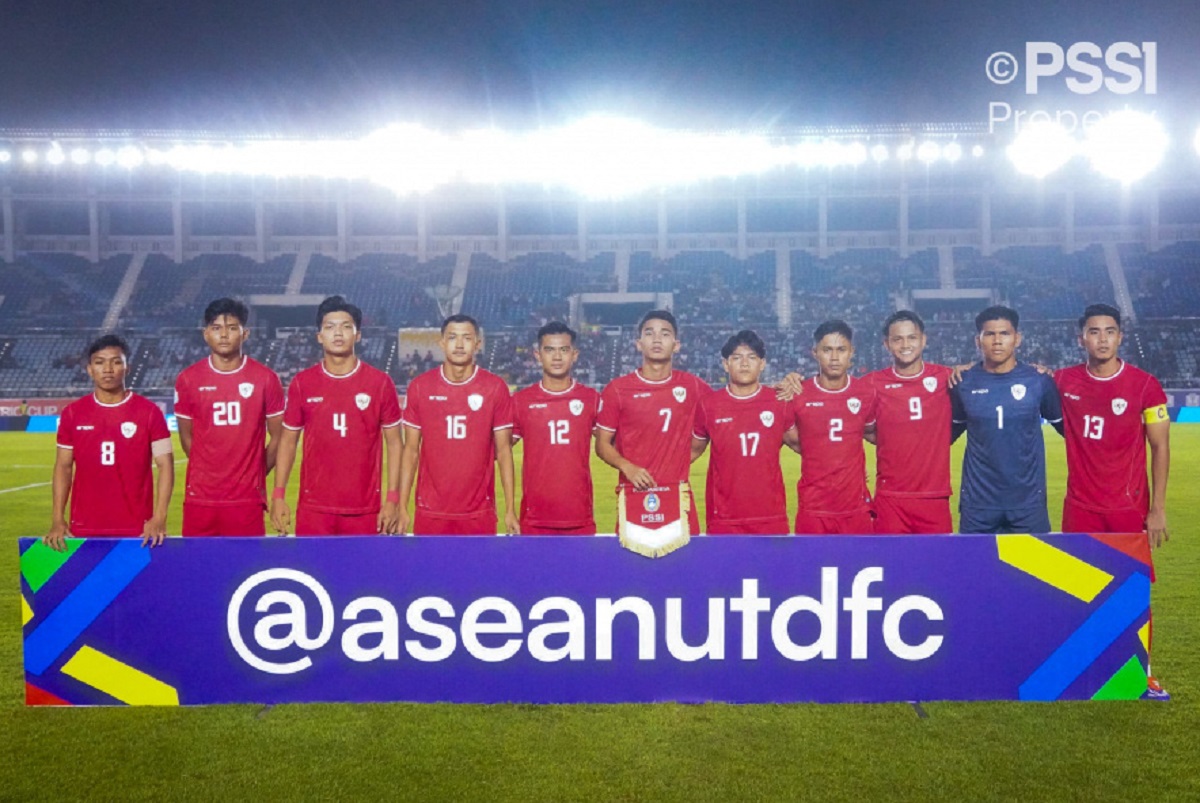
x=518 y=431
x=66 y=429
x=293 y=413
x=1051 y=404
x=273 y=395
x=502 y=412
x=158 y=423
x=610 y=408
x=958 y=413
x=700 y=425
x=412 y=405
x=1154 y=402
x=389 y=409
x=184 y=407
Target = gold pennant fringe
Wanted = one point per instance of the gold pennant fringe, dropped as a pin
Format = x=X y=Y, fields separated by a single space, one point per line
x=633 y=545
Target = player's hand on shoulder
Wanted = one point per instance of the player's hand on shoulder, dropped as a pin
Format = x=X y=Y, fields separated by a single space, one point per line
x=281 y=516
x=154 y=532
x=957 y=371
x=1043 y=369
x=56 y=539
x=789 y=387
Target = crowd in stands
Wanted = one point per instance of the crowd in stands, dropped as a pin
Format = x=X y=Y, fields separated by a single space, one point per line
x=51 y=304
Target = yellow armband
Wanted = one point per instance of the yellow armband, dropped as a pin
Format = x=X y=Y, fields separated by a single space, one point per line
x=1152 y=415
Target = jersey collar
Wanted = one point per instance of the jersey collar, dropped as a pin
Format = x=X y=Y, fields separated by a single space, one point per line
x=442 y=373
x=743 y=398
x=1087 y=371
x=638 y=373
x=817 y=385
x=556 y=392
x=357 y=365
x=128 y=396
x=216 y=370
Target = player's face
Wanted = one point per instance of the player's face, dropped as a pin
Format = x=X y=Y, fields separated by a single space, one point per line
x=1101 y=337
x=905 y=342
x=998 y=341
x=557 y=355
x=834 y=354
x=225 y=336
x=744 y=366
x=657 y=342
x=460 y=342
x=107 y=369
x=338 y=334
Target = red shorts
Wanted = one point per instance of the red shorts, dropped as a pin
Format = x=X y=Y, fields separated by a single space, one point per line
x=1081 y=520
x=426 y=523
x=215 y=520
x=777 y=525
x=538 y=529
x=313 y=522
x=857 y=523
x=912 y=515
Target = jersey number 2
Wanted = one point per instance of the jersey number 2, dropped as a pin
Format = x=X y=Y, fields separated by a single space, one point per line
x=558 y=432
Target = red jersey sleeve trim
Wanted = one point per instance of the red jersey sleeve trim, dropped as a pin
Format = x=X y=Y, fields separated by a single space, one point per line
x=189 y=418
x=293 y=429
x=606 y=429
x=65 y=446
x=269 y=415
x=395 y=423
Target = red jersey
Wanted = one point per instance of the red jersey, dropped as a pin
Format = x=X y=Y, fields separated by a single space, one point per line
x=342 y=418
x=229 y=412
x=653 y=421
x=912 y=443
x=112 y=492
x=833 y=469
x=1104 y=424
x=556 y=477
x=456 y=477
x=745 y=480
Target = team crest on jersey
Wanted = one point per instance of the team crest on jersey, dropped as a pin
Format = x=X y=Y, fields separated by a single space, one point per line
x=680 y=394
x=854 y=404
x=474 y=401
x=767 y=417
x=128 y=429
x=651 y=503
x=1119 y=406
x=575 y=406
x=1018 y=392
x=361 y=401
x=245 y=390
x=930 y=383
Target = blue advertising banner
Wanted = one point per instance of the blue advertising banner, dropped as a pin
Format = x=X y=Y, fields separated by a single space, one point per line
x=574 y=620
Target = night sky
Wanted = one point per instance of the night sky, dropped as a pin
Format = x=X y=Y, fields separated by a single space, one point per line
x=297 y=66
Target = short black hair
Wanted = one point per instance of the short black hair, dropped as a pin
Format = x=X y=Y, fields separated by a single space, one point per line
x=834 y=327
x=748 y=338
x=461 y=318
x=997 y=313
x=108 y=342
x=659 y=315
x=338 y=304
x=226 y=306
x=555 y=328
x=903 y=315
x=1095 y=310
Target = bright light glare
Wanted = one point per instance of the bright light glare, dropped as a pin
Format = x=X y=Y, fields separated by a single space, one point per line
x=29 y=156
x=55 y=156
x=952 y=152
x=905 y=152
x=130 y=157
x=977 y=151
x=1126 y=145
x=879 y=153
x=5 y=157
x=929 y=152
x=80 y=156
x=1041 y=148
x=105 y=157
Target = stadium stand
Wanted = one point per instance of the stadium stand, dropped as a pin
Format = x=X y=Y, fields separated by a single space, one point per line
x=1163 y=284
x=167 y=294
x=532 y=289
x=390 y=289
x=57 y=290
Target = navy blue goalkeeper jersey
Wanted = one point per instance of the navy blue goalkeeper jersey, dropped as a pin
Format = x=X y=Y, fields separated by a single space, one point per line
x=1004 y=467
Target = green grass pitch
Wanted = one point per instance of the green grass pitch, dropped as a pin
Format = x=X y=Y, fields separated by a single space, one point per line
x=1077 y=751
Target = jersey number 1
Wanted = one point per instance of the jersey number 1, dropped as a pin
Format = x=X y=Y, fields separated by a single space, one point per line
x=558 y=432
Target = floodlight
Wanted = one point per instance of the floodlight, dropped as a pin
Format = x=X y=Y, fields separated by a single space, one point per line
x=977 y=151
x=929 y=152
x=1126 y=145
x=55 y=156
x=952 y=152
x=29 y=156
x=5 y=157
x=1041 y=148
x=156 y=157
x=80 y=156
x=855 y=153
x=130 y=157
x=105 y=157
x=905 y=152
x=1196 y=141
x=879 y=153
